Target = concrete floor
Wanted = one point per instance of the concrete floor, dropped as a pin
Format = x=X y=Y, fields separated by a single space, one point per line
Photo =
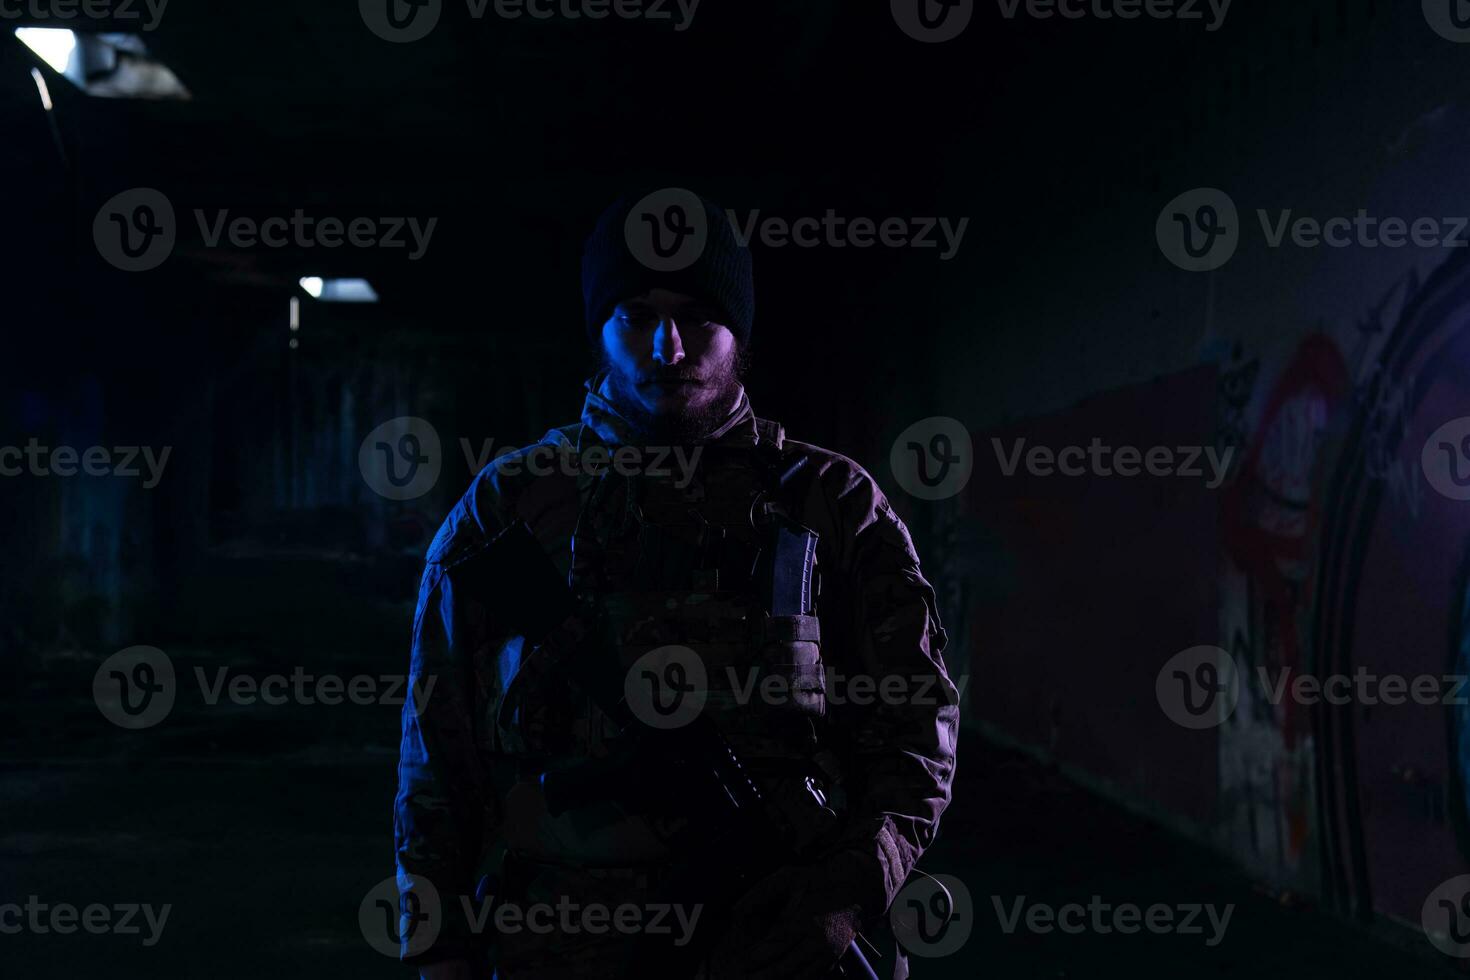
x=265 y=827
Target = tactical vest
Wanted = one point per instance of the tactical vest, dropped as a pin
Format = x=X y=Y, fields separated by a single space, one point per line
x=707 y=592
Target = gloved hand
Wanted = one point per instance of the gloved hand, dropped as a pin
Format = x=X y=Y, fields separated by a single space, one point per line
x=797 y=922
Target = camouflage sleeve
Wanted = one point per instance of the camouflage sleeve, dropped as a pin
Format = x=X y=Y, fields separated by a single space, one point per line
x=443 y=803
x=901 y=727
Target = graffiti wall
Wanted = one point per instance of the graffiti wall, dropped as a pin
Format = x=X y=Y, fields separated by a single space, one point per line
x=1269 y=519
x=1391 y=603
x=1344 y=537
x=1335 y=554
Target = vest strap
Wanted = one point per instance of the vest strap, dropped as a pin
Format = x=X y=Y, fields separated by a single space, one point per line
x=791 y=629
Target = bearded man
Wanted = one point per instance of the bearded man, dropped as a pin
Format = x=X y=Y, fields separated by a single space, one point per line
x=763 y=580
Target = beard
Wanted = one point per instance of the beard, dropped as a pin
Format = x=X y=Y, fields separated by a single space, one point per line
x=719 y=389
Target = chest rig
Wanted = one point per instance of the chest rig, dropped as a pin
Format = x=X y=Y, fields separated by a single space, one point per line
x=712 y=564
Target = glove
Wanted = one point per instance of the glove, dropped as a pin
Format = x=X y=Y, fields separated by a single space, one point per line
x=798 y=921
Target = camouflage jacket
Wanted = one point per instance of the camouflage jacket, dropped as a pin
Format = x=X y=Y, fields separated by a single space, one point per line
x=877 y=617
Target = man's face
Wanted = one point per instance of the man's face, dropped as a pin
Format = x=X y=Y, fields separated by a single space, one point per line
x=672 y=366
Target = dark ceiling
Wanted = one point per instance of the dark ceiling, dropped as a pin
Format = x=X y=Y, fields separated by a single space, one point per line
x=514 y=132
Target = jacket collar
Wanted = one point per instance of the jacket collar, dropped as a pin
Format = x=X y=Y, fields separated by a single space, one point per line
x=600 y=416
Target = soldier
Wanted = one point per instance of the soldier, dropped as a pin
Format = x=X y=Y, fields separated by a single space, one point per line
x=768 y=579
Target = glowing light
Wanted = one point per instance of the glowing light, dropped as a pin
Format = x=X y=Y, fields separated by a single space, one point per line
x=339 y=290
x=52 y=45
x=41 y=87
x=119 y=66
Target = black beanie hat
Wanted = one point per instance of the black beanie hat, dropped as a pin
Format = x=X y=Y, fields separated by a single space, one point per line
x=672 y=239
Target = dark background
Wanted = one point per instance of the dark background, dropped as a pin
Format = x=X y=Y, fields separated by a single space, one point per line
x=263 y=549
